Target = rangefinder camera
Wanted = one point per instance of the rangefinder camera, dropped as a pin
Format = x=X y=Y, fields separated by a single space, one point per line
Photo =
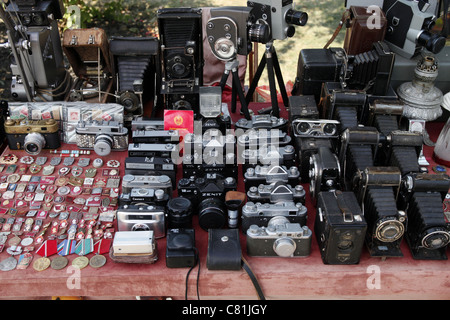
x=267 y=155
x=280 y=238
x=253 y=177
x=262 y=121
x=142 y=218
x=255 y=138
x=32 y=135
x=276 y=192
x=260 y=213
x=130 y=182
x=140 y=123
x=102 y=136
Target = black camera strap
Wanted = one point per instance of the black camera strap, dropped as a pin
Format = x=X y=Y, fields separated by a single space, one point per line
x=253 y=278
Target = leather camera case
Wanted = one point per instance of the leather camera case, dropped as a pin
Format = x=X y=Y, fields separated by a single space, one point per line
x=224 y=250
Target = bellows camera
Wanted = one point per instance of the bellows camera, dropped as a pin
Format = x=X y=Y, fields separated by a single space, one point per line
x=103 y=137
x=279 y=238
x=340 y=227
x=32 y=135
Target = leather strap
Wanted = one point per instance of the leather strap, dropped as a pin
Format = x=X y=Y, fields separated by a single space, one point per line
x=253 y=278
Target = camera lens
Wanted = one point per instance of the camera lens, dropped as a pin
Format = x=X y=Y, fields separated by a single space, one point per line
x=103 y=145
x=389 y=230
x=432 y=42
x=34 y=143
x=299 y=18
x=436 y=239
x=130 y=101
x=212 y=214
x=179 y=213
x=259 y=33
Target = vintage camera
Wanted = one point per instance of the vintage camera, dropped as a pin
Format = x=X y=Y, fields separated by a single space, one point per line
x=103 y=137
x=37 y=64
x=310 y=135
x=253 y=177
x=231 y=31
x=211 y=110
x=276 y=192
x=142 y=218
x=340 y=227
x=262 y=121
x=130 y=181
x=165 y=150
x=32 y=135
x=369 y=71
x=145 y=195
x=267 y=155
x=135 y=61
x=409 y=28
x=141 y=123
x=325 y=172
x=302 y=107
x=181 y=54
x=279 y=16
x=421 y=197
x=280 y=238
x=259 y=214
x=181 y=251
x=151 y=166
x=209 y=186
x=376 y=189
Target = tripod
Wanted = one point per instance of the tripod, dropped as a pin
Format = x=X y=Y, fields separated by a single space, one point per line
x=270 y=59
x=237 y=91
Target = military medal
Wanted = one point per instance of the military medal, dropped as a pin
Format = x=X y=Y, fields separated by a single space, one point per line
x=59 y=263
x=41 y=264
x=80 y=262
x=97 y=261
x=8 y=264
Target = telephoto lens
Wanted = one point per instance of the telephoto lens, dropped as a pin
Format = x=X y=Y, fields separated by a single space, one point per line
x=212 y=214
x=179 y=211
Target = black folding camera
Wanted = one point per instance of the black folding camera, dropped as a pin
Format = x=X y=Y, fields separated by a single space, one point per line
x=180 y=250
x=421 y=197
x=376 y=189
x=181 y=45
x=340 y=227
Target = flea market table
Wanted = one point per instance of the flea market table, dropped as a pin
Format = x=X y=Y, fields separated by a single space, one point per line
x=280 y=278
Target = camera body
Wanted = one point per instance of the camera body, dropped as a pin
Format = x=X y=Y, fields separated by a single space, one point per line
x=144 y=195
x=259 y=214
x=279 y=16
x=253 y=177
x=280 y=238
x=151 y=166
x=340 y=227
x=32 y=135
x=180 y=250
x=262 y=121
x=209 y=186
x=142 y=218
x=276 y=192
x=409 y=26
x=130 y=181
x=325 y=172
x=102 y=137
x=37 y=13
x=267 y=155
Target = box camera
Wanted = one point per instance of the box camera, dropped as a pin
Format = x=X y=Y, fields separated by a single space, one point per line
x=303 y=107
x=340 y=227
x=409 y=28
x=209 y=186
x=422 y=197
x=32 y=135
x=253 y=177
x=102 y=137
x=280 y=238
x=276 y=192
x=130 y=181
x=180 y=250
x=142 y=218
x=279 y=16
x=260 y=214
x=376 y=189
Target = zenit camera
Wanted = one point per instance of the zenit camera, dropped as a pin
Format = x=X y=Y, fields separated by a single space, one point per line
x=142 y=218
x=102 y=137
x=280 y=238
x=32 y=135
